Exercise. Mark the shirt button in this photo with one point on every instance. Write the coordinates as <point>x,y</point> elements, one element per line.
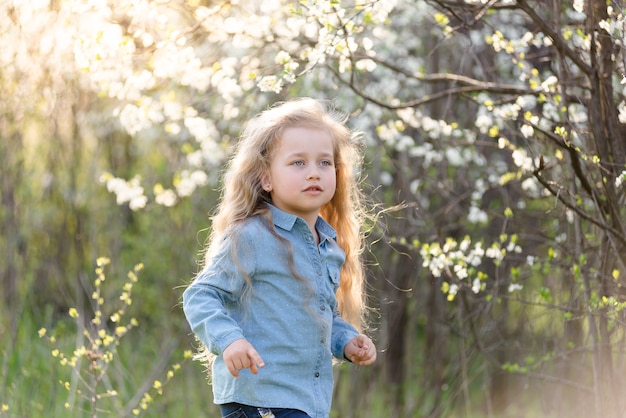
<point>317,374</point>
<point>319,272</point>
<point>323,307</point>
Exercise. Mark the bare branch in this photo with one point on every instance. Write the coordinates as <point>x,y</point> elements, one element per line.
<point>556,192</point>
<point>471,86</point>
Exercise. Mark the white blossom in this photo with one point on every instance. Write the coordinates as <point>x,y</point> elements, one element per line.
<point>166,198</point>
<point>531,185</point>
<point>454,157</point>
<point>477,215</point>
<point>474,258</point>
<point>464,245</point>
<point>495,253</point>
<point>622,110</point>
<point>579,6</point>
<point>270,83</point>
<point>522,160</point>
<point>385,178</point>
<point>130,192</point>
<point>483,123</point>
<point>454,289</point>
<point>619,180</point>
<point>527,131</point>
<point>367,65</point>
<point>202,129</point>
<point>190,181</point>
<point>461,271</point>
<point>476,285</point>
<point>550,84</point>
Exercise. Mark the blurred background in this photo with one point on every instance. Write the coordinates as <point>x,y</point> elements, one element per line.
<point>495,151</point>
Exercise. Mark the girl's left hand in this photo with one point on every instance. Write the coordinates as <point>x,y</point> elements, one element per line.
<point>360,350</point>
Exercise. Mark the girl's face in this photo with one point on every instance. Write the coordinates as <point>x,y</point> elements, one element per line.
<point>301,178</point>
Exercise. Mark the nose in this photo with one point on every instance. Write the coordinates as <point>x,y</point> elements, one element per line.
<point>313,174</point>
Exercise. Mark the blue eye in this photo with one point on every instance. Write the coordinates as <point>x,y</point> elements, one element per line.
<point>326,163</point>
<point>298,163</point>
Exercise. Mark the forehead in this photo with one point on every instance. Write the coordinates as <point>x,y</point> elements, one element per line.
<point>304,139</point>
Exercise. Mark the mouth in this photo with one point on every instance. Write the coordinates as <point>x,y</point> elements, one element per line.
<point>314,188</point>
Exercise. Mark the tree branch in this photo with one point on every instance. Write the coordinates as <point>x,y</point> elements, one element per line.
<point>439,77</point>
<point>471,86</point>
<point>556,193</point>
<point>557,39</point>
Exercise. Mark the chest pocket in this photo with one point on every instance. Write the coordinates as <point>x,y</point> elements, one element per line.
<point>331,285</point>
<point>333,275</point>
<point>333,258</point>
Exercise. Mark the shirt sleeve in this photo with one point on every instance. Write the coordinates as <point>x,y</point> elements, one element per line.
<point>341,335</point>
<point>211,301</point>
<point>342,331</point>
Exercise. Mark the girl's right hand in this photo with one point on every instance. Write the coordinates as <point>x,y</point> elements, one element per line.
<point>241,355</point>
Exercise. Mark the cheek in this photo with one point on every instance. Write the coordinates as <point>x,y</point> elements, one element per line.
<point>332,181</point>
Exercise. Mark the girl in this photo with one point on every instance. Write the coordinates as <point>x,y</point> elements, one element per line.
<point>282,263</point>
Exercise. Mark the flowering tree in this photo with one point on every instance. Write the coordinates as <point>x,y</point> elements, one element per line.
<point>497,124</point>
<point>521,196</point>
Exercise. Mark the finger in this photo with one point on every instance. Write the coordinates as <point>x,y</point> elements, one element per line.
<point>254,368</point>
<point>232,369</point>
<point>244,363</point>
<point>362,342</point>
<point>357,356</point>
<point>364,356</point>
<point>365,342</point>
<point>370,358</point>
<point>255,359</point>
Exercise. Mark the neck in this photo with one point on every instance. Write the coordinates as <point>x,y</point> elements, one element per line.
<point>311,224</point>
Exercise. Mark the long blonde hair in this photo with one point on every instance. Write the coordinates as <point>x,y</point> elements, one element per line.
<point>243,195</point>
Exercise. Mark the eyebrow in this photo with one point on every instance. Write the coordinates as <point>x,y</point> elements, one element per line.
<point>301,154</point>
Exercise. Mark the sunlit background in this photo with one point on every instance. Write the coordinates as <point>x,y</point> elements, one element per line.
<point>495,153</point>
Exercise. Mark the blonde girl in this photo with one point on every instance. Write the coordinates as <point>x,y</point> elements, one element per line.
<point>281,291</point>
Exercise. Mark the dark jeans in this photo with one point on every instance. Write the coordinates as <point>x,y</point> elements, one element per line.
<point>237,410</point>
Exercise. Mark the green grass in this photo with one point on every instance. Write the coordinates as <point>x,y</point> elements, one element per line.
<point>32,389</point>
<point>33,385</point>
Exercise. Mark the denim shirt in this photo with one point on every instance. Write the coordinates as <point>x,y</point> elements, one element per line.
<point>293,323</point>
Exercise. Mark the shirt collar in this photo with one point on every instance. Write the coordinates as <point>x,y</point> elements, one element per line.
<point>287,221</point>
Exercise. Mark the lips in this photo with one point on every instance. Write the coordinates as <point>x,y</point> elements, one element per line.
<point>314,189</point>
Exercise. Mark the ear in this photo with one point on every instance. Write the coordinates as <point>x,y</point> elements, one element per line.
<point>266,183</point>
